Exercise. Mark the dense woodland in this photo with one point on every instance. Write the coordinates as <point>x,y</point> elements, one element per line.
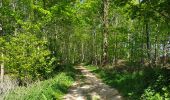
<point>39,38</point>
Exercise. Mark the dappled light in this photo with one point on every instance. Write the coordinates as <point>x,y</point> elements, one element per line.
<point>91,88</point>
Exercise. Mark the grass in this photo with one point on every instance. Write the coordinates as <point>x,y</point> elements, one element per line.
<point>134,85</point>
<point>51,89</point>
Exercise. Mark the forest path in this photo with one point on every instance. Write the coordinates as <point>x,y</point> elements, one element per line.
<point>91,88</point>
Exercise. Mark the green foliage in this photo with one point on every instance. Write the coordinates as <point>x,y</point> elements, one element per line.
<point>28,57</point>
<point>134,85</point>
<point>150,94</point>
<point>51,89</point>
<point>159,89</point>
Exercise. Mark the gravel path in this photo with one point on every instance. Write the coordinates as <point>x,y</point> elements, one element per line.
<point>91,88</point>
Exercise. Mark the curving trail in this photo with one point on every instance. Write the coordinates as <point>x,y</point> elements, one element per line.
<point>91,88</point>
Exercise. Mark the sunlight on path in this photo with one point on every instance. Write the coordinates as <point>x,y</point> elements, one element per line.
<point>91,88</point>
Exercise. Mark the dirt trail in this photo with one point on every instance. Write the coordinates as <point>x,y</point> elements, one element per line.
<point>91,88</point>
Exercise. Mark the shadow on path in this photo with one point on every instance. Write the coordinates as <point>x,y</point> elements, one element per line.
<point>91,88</point>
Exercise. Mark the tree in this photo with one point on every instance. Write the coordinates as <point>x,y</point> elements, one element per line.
<point>25,60</point>
<point>2,58</point>
<point>105,31</point>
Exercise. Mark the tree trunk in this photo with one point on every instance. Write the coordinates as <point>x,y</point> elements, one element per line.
<point>82,52</point>
<point>105,31</point>
<point>142,40</point>
<point>156,58</point>
<point>2,69</point>
<point>2,55</point>
<point>164,53</point>
<point>74,51</point>
<point>148,42</point>
<point>115,51</point>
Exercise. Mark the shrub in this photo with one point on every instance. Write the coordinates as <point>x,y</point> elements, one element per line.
<point>27,58</point>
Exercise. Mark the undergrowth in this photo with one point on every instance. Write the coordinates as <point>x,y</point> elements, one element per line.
<point>146,84</point>
<point>50,89</point>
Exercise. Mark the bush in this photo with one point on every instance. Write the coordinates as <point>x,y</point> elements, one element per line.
<point>159,89</point>
<point>28,58</point>
<point>151,94</point>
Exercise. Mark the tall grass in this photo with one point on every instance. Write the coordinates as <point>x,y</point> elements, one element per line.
<point>51,89</point>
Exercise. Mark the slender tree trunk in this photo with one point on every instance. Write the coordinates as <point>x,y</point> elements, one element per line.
<point>2,68</point>
<point>2,55</point>
<point>67,49</point>
<point>14,23</point>
<point>105,31</point>
<point>148,42</point>
<point>164,54</point>
<point>156,40</point>
<point>74,53</point>
<point>93,46</point>
<point>115,51</point>
<point>132,50</point>
<point>128,53</point>
<point>142,40</point>
<point>95,49</point>
<point>142,47</point>
<point>82,52</point>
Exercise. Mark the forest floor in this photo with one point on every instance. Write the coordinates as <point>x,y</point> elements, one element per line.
<point>91,88</point>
